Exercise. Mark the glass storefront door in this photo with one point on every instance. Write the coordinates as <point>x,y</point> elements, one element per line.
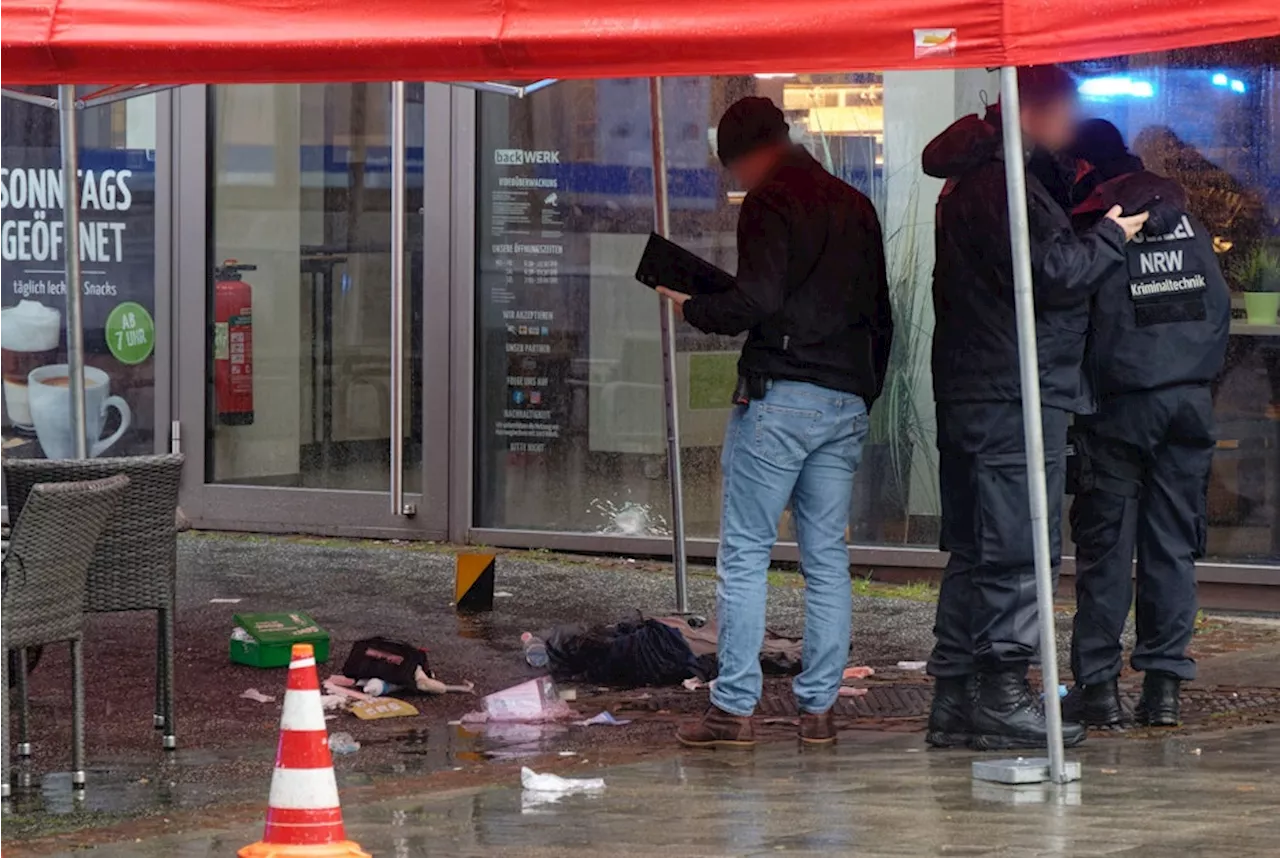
<point>297,344</point>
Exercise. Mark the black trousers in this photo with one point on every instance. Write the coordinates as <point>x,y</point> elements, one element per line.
<point>1144,477</point>
<point>987,614</point>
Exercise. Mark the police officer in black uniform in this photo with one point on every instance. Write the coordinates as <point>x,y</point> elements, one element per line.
<point>986,625</point>
<point>1141,466</point>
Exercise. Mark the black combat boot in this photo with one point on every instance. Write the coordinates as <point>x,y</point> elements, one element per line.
<point>950,722</point>
<point>1159,705</point>
<point>1006,715</point>
<point>1095,705</point>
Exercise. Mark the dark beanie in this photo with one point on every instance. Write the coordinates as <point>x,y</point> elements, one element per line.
<point>749,124</point>
<point>1041,85</point>
<point>1098,141</point>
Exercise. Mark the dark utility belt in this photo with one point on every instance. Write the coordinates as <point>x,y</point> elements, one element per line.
<point>750,387</point>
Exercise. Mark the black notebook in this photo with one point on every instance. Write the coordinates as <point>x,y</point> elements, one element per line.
<point>666,263</point>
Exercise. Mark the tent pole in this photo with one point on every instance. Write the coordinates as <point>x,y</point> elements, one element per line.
<point>71,249</point>
<point>1024,304</point>
<point>662,226</point>
<point>398,181</point>
<point>37,100</point>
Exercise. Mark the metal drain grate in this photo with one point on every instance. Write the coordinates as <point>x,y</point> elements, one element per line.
<point>911,700</point>
<point>880,701</point>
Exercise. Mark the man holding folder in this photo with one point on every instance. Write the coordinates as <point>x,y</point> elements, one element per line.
<point>812,295</point>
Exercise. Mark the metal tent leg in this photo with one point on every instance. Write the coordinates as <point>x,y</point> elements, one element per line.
<point>662,226</point>
<point>1024,303</point>
<point>71,247</point>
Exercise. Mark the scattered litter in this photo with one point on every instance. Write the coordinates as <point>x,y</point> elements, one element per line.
<point>850,691</point>
<point>568,695</point>
<point>338,689</point>
<point>534,782</point>
<point>267,640</point>
<point>1110,771</point>
<point>256,696</point>
<point>379,687</point>
<point>912,665</point>
<point>693,684</point>
<point>604,719</point>
<point>502,594</point>
<point>861,672</point>
<point>532,701</point>
<point>568,754</point>
<point>226,602</point>
<point>535,650</point>
<point>455,723</point>
<point>913,750</point>
<point>431,685</point>
<point>1197,752</point>
<point>392,661</point>
<point>386,707</point>
<point>343,743</point>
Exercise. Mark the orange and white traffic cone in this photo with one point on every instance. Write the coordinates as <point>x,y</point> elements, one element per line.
<point>303,816</point>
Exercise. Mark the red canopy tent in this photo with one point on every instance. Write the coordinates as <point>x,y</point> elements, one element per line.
<point>298,41</point>
<point>132,43</point>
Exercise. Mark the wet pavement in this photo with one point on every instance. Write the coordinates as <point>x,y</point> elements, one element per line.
<point>356,589</point>
<point>873,795</point>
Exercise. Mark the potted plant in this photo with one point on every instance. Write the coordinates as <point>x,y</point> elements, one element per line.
<point>1261,284</point>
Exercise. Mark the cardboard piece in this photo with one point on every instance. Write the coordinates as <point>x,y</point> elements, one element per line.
<point>382,707</point>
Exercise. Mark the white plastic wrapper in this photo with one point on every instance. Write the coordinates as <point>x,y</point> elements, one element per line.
<point>531,780</point>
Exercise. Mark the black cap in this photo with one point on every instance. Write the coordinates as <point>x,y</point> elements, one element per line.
<point>749,124</point>
<point>1042,85</point>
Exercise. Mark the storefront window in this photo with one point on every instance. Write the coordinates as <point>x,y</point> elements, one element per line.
<point>1209,119</point>
<point>570,432</point>
<point>117,255</point>
<point>569,419</point>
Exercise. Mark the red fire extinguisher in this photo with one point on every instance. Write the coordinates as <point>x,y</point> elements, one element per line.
<point>233,344</point>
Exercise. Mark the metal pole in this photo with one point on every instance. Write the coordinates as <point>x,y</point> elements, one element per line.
<point>37,100</point>
<point>71,249</point>
<point>398,177</point>
<point>662,226</point>
<point>1024,304</point>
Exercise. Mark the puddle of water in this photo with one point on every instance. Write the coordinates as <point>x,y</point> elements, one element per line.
<point>108,791</point>
<point>439,748</point>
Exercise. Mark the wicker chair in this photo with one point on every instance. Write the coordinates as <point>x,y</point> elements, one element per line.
<point>136,565</point>
<point>45,573</point>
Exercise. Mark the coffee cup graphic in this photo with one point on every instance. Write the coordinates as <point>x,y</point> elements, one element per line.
<point>29,335</point>
<point>49,396</point>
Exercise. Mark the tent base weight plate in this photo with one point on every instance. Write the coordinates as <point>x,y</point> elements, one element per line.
<point>1023,770</point>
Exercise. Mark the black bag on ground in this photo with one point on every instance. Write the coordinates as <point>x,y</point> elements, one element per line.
<point>389,660</point>
<point>630,654</point>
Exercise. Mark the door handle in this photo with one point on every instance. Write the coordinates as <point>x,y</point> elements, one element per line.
<point>398,179</point>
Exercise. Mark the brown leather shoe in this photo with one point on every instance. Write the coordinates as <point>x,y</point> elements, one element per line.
<point>817,729</point>
<point>717,729</point>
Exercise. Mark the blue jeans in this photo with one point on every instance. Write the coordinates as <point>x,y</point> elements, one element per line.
<point>800,444</point>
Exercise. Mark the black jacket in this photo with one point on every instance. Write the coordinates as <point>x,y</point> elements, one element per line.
<point>1163,319</point>
<point>812,288</point>
<point>975,341</point>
